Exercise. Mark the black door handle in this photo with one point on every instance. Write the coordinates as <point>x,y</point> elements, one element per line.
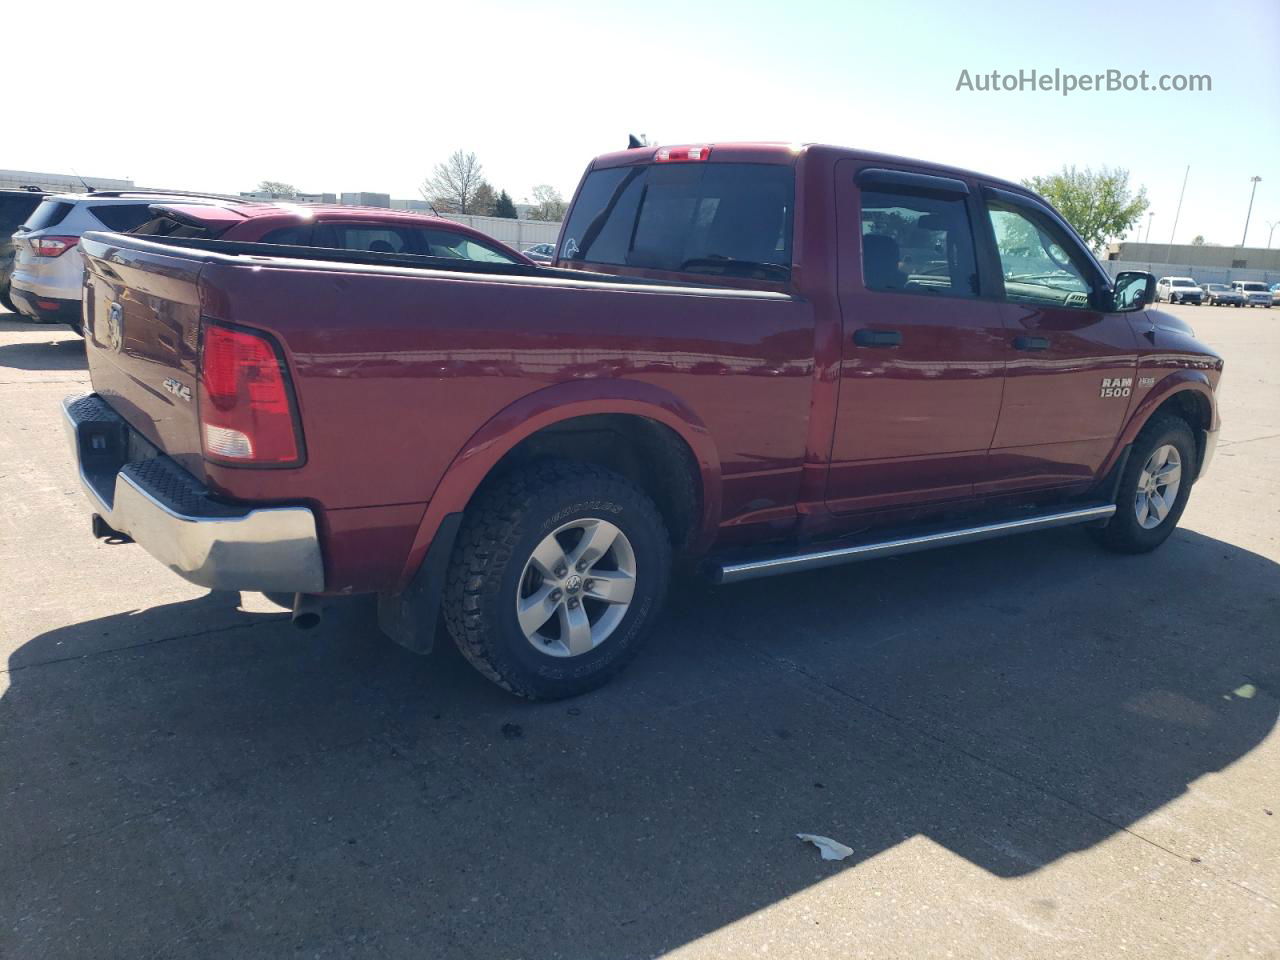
<point>877,338</point>
<point>1031,343</point>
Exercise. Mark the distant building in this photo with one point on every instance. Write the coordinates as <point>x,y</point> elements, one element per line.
<point>300,198</point>
<point>1201,262</point>
<point>367,199</point>
<point>58,182</point>
<point>1197,254</point>
<point>419,206</point>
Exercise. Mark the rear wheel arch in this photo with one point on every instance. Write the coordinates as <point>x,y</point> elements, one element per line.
<point>561,418</point>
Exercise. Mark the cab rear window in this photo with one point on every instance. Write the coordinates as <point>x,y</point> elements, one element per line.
<point>720,219</point>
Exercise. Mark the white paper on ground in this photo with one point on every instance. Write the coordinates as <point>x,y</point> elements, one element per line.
<point>831,849</point>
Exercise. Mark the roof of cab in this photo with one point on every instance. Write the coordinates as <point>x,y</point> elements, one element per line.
<point>784,153</point>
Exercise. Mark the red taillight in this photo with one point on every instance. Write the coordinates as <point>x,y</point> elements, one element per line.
<point>246,403</point>
<point>52,246</point>
<point>681,154</point>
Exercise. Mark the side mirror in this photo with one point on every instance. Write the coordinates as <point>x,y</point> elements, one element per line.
<point>1132,290</point>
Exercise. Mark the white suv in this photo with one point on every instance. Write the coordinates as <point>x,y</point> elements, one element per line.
<point>1179,289</point>
<point>48,269</point>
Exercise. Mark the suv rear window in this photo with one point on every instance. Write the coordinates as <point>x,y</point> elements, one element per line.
<point>50,213</point>
<point>122,217</point>
<point>722,219</point>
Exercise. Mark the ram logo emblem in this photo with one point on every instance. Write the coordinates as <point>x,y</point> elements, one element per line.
<point>115,327</point>
<point>1116,386</point>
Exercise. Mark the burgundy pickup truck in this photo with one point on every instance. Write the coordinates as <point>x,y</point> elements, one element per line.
<point>747,359</point>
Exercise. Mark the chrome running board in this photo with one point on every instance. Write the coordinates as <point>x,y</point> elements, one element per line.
<point>793,563</point>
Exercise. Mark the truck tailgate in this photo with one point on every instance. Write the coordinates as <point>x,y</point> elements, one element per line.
<point>142,329</point>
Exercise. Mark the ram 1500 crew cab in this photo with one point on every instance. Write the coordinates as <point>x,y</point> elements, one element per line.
<point>746,359</point>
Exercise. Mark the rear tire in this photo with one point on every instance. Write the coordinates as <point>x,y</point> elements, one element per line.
<point>6,300</point>
<point>523,552</point>
<point>1154,488</point>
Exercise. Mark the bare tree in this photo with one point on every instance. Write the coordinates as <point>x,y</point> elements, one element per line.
<point>453,185</point>
<point>278,189</point>
<point>547,203</point>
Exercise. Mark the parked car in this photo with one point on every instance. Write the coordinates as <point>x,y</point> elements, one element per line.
<point>536,451</point>
<point>15,207</point>
<point>541,252</point>
<point>1179,290</point>
<point>48,268</point>
<point>1219,294</point>
<point>1275,293</point>
<point>367,229</point>
<point>1254,292</point>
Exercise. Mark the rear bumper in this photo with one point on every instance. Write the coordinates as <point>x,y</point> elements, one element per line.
<point>45,309</point>
<point>140,492</point>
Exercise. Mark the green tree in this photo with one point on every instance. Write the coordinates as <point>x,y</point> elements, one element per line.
<point>504,207</point>
<point>547,203</point>
<point>278,189</point>
<point>1100,205</point>
<point>1198,240</point>
<point>483,202</point>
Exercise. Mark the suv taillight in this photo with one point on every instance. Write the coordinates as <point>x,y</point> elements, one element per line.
<point>52,246</point>
<point>247,413</point>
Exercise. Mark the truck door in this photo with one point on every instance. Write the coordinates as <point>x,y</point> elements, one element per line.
<point>923,348</point>
<point>1071,363</point>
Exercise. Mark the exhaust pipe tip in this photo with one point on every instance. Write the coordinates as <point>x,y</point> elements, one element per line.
<point>306,611</point>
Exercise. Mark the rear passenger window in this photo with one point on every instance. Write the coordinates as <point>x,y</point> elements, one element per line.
<point>167,226</point>
<point>122,217</point>
<point>292,236</point>
<point>917,243</point>
<point>364,237</point>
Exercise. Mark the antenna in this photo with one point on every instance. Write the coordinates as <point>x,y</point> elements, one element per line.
<point>83,183</point>
<point>633,141</point>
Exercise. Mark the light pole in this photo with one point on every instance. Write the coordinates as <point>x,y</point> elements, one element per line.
<point>1150,216</point>
<point>1271,229</point>
<point>1255,181</point>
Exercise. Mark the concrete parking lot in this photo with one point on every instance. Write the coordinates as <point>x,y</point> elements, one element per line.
<point>1034,748</point>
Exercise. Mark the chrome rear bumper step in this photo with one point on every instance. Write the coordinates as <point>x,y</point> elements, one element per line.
<point>794,563</point>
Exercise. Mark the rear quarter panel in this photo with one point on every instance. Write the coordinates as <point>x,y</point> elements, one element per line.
<point>396,373</point>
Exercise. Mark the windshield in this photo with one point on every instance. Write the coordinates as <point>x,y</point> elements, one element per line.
<point>1183,283</point>
<point>1254,287</point>
<point>724,219</point>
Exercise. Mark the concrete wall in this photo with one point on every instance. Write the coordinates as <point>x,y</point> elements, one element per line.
<point>1198,273</point>
<point>1254,258</point>
<point>58,182</point>
<point>514,233</point>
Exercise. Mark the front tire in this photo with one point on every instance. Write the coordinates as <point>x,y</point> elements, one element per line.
<point>1154,488</point>
<point>559,573</point>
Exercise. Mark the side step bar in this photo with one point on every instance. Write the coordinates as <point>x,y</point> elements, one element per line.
<point>793,563</point>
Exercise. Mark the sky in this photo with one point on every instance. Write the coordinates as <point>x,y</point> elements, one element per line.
<point>335,97</point>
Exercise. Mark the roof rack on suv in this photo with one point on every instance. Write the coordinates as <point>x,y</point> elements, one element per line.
<point>148,192</point>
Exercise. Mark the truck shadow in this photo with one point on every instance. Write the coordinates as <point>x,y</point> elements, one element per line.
<point>258,790</point>
<point>58,349</point>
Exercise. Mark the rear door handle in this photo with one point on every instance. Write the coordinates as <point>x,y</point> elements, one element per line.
<point>1031,343</point>
<point>877,338</point>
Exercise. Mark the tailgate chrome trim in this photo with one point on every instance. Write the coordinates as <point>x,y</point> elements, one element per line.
<point>171,515</point>
<point>793,563</point>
